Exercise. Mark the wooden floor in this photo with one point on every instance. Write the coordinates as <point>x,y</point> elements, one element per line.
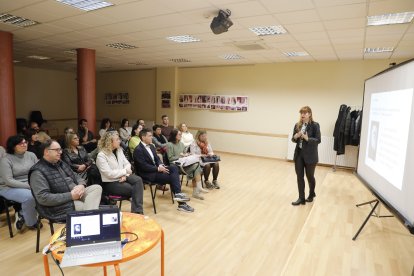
<point>249,227</point>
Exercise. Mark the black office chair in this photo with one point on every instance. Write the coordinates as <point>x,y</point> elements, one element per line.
<point>41,215</point>
<point>8,203</point>
<point>154,192</point>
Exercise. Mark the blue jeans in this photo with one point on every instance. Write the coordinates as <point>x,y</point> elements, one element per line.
<point>23,196</point>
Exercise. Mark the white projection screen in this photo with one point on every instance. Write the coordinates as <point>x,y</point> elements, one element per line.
<point>386,154</point>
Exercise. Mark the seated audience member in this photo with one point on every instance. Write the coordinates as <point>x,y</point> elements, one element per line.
<point>86,136</point>
<point>176,150</point>
<point>21,126</point>
<point>42,137</point>
<point>80,162</point>
<point>2,152</point>
<point>14,184</point>
<point>33,143</point>
<point>117,177</point>
<point>123,131</point>
<point>159,140</point>
<point>165,127</point>
<point>135,140</point>
<point>187,137</point>
<point>141,122</point>
<point>150,168</point>
<point>57,189</point>
<point>62,140</point>
<point>34,125</point>
<point>202,147</point>
<point>106,124</point>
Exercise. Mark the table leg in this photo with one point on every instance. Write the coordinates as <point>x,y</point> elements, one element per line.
<point>117,270</point>
<point>46,265</point>
<point>162,252</point>
<point>105,271</point>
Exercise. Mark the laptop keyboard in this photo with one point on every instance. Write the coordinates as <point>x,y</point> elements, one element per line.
<point>93,251</point>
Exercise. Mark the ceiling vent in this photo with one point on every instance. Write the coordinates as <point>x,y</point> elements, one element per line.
<point>250,46</point>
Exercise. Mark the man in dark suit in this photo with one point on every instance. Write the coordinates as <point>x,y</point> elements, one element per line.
<point>149,166</point>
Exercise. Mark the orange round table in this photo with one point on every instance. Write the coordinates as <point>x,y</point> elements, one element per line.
<point>149,234</point>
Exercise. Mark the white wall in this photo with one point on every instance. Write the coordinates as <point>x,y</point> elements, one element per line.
<point>276,92</point>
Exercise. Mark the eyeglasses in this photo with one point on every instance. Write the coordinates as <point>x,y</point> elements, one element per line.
<point>22,143</point>
<point>59,150</point>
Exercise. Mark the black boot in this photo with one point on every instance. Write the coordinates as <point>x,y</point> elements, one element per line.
<point>310,198</point>
<point>299,201</point>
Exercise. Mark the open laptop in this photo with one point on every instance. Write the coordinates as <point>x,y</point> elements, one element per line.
<point>92,236</point>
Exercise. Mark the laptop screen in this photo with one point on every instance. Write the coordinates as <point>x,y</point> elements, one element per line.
<point>93,226</point>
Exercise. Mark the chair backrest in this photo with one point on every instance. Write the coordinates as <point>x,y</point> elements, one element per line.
<point>39,208</point>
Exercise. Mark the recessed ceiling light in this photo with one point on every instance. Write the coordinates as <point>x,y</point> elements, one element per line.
<point>70,52</point>
<point>231,56</point>
<point>183,38</point>
<point>179,60</point>
<point>268,30</point>
<point>16,20</point>
<point>86,5</point>
<point>121,46</point>
<point>391,18</point>
<point>296,54</point>
<point>378,50</point>
<point>38,57</point>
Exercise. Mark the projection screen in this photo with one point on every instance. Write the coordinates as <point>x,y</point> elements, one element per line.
<point>386,154</point>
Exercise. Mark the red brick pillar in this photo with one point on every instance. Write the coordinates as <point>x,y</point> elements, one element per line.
<point>87,87</point>
<point>7,99</point>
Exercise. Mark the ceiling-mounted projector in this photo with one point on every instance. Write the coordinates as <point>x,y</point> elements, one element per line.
<point>221,23</point>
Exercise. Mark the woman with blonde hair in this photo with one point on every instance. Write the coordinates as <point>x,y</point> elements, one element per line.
<point>187,137</point>
<point>307,136</point>
<point>116,173</point>
<point>202,147</point>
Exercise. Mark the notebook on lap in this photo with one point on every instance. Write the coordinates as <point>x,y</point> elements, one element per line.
<point>92,236</point>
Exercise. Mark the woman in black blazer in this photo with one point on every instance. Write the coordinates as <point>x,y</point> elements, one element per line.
<point>307,136</point>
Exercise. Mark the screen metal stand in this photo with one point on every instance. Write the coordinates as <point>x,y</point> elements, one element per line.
<point>376,201</point>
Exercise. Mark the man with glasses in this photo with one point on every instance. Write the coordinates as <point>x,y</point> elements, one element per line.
<point>57,189</point>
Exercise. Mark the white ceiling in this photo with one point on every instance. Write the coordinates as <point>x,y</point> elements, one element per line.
<point>326,29</point>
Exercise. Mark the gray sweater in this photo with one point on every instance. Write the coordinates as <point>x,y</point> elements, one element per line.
<point>14,170</point>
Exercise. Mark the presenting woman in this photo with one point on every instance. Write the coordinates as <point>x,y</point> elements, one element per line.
<point>80,162</point>
<point>307,136</point>
<point>117,177</point>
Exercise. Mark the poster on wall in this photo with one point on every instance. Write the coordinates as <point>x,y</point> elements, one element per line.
<point>165,99</point>
<point>213,102</point>
<point>196,101</point>
<point>117,98</point>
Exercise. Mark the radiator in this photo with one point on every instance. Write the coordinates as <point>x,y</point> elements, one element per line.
<point>327,154</point>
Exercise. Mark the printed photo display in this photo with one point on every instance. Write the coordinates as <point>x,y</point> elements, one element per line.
<point>213,102</point>
<point>166,99</point>
<point>117,98</point>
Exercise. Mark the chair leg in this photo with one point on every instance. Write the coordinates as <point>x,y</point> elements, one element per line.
<point>52,230</point>
<point>8,219</point>
<point>172,196</point>
<point>120,204</point>
<point>38,234</point>
<point>153,198</point>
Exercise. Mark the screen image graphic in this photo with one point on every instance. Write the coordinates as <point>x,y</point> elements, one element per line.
<point>388,134</point>
<point>386,153</point>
